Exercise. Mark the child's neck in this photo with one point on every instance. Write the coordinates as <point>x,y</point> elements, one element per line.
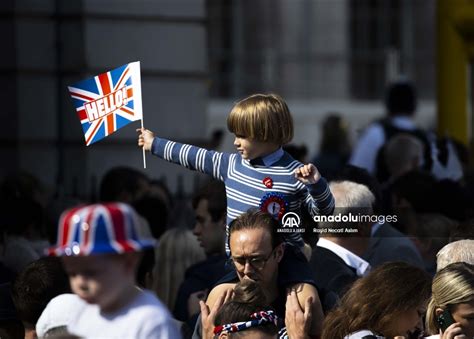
<point>125,297</point>
<point>272,148</point>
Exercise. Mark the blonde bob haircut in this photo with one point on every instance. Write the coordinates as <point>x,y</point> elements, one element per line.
<point>262,117</point>
<point>452,285</point>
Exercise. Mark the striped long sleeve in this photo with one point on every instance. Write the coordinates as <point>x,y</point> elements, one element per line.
<point>199,159</point>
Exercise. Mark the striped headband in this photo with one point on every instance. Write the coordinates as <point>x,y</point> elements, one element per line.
<point>256,319</point>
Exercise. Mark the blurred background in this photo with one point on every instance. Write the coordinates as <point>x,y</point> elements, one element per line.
<point>198,57</point>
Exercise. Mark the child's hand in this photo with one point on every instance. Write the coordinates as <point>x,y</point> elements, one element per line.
<point>307,174</point>
<point>145,138</point>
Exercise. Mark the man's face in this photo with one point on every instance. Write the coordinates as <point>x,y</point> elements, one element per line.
<point>255,246</point>
<point>209,233</point>
<point>97,279</point>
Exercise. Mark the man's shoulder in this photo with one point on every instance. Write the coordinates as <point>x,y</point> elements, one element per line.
<point>325,260</point>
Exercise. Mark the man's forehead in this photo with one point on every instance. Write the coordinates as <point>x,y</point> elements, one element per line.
<point>250,241</point>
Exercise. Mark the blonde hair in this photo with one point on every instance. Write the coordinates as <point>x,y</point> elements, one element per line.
<point>262,117</point>
<point>177,250</point>
<point>452,285</point>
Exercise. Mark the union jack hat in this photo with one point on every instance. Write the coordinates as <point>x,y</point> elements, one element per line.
<point>101,229</point>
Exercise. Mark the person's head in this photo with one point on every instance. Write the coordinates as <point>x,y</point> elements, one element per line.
<point>260,123</point>
<point>457,251</point>
<point>256,249</point>
<point>453,291</point>
<point>124,184</point>
<point>431,234</point>
<point>178,250</point>
<point>241,317</point>
<point>389,301</point>
<point>351,199</point>
<point>101,248</point>
<point>155,212</point>
<point>401,98</point>
<point>57,315</point>
<point>210,208</point>
<point>403,153</point>
<point>35,286</point>
<point>335,135</point>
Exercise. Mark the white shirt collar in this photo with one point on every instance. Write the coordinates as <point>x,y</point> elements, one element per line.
<point>361,266</point>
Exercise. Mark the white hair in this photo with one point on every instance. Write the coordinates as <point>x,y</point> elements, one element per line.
<point>350,195</point>
<point>458,251</point>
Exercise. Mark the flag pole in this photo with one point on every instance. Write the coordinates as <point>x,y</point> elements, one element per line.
<point>143,148</point>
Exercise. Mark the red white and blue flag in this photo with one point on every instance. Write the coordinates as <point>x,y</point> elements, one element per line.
<point>108,101</point>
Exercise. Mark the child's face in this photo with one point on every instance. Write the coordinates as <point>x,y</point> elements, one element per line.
<point>250,149</point>
<point>97,279</point>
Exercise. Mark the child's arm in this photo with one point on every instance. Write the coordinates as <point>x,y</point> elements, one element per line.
<point>320,199</point>
<point>192,157</point>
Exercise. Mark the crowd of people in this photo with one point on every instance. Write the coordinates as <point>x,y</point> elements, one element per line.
<point>397,262</point>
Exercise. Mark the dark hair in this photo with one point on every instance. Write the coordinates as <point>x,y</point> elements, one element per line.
<point>253,219</point>
<point>146,265</point>
<point>214,193</point>
<point>401,98</point>
<point>419,189</point>
<point>36,285</point>
<point>375,300</point>
<point>17,215</point>
<point>248,298</point>
<point>154,210</point>
<point>119,181</point>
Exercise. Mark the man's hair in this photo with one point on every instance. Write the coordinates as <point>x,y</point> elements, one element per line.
<point>350,198</point>
<point>36,285</point>
<point>214,193</point>
<point>375,300</point>
<point>262,117</point>
<point>401,98</point>
<point>458,251</point>
<point>248,298</point>
<point>255,219</point>
<point>119,181</point>
<point>452,285</point>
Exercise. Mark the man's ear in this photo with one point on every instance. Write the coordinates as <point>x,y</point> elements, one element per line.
<point>279,250</point>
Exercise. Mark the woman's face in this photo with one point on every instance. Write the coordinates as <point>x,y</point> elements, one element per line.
<point>407,323</point>
<point>464,315</point>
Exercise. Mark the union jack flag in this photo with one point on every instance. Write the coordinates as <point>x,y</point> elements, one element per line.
<point>108,101</point>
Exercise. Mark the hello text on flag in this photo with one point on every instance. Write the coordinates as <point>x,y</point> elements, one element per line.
<point>106,105</point>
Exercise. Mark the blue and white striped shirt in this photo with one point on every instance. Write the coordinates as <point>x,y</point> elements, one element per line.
<point>244,181</point>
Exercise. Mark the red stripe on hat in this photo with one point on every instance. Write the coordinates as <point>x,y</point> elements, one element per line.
<point>87,231</point>
<point>118,221</point>
<point>65,226</point>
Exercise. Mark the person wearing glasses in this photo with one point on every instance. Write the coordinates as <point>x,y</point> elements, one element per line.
<point>257,253</point>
